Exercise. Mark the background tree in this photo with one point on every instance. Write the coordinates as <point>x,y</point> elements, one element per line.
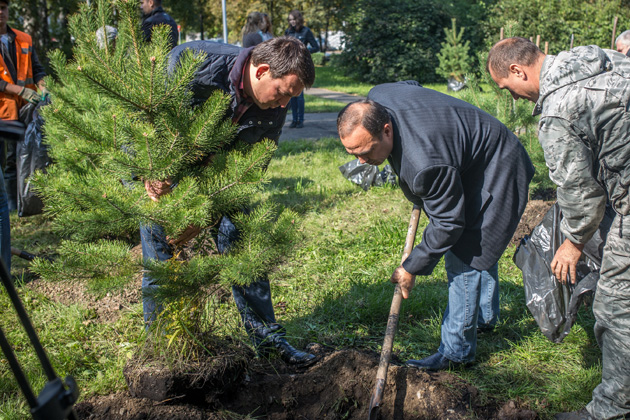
<point>119,118</point>
<point>454,56</point>
<point>196,16</point>
<point>590,22</point>
<point>394,40</point>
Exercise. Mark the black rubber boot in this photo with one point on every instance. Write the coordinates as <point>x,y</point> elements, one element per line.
<point>291,355</point>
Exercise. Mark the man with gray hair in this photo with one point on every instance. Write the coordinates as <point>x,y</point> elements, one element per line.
<point>623,42</point>
<point>582,97</point>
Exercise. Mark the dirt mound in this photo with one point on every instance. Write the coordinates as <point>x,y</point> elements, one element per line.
<point>338,386</point>
<point>532,216</point>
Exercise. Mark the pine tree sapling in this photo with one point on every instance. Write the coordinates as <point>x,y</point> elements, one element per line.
<point>454,56</point>
<point>119,118</point>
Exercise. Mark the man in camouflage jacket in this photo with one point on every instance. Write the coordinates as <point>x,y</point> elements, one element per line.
<point>583,98</point>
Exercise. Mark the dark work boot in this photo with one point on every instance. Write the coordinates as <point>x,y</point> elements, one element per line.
<point>291,355</point>
<point>433,362</point>
<point>574,415</point>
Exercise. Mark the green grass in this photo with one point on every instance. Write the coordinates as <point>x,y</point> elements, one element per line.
<point>333,289</point>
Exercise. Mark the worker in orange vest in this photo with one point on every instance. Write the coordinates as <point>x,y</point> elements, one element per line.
<point>21,74</point>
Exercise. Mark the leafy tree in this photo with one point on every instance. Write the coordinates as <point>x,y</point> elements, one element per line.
<point>555,21</point>
<point>119,118</point>
<point>46,21</point>
<point>454,56</point>
<point>198,16</point>
<point>393,40</point>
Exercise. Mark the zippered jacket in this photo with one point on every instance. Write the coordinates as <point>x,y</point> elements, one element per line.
<point>584,130</point>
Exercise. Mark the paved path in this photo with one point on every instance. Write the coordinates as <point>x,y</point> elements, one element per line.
<point>317,125</point>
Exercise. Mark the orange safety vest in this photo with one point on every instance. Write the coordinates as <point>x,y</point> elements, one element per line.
<point>9,103</point>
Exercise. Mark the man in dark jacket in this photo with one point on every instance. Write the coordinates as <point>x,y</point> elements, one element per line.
<point>470,174</point>
<point>261,81</point>
<point>154,15</point>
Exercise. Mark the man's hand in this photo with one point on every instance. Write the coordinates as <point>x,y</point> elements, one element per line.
<point>565,261</point>
<point>405,279</point>
<point>45,92</point>
<point>30,95</point>
<point>190,232</point>
<point>156,189</point>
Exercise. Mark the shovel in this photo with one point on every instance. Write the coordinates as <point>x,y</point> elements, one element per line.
<point>26,255</point>
<point>392,322</point>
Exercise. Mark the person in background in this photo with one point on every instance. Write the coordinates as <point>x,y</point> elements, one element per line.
<point>623,43</point>
<point>252,33</point>
<point>152,15</point>
<point>267,31</point>
<point>298,30</point>
<point>582,97</point>
<point>21,75</point>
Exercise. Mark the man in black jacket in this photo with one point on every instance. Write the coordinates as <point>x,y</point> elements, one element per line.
<point>261,81</point>
<point>470,174</point>
<point>154,15</point>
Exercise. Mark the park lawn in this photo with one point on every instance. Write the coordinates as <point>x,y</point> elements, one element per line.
<point>333,290</point>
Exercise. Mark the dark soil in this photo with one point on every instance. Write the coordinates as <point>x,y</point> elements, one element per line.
<point>532,216</point>
<point>338,386</point>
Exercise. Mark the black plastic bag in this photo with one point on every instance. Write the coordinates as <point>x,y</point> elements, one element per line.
<point>31,155</point>
<point>367,175</point>
<point>553,305</point>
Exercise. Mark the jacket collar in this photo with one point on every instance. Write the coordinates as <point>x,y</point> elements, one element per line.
<point>236,74</point>
<point>155,11</point>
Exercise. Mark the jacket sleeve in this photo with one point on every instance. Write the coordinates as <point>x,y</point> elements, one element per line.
<point>571,167</point>
<point>442,193</point>
<point>38,70</point>
<point>311,42</point>
<point>146,27</point>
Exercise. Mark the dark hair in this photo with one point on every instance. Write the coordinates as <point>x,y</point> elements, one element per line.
<point>266,23</point>
<point>252,24</point>
<point>5,1</point>
<point>285,55</point>
<point>369,114</point>
<point>299,19</point>
<point>510,51</point>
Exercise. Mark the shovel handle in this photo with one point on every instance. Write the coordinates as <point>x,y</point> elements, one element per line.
<point>392,320</point>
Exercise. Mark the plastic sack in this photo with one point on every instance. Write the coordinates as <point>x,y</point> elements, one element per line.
<point>31,155</point>
<point>553,305</point>
<point>367,175</point>
<point>454,85</point>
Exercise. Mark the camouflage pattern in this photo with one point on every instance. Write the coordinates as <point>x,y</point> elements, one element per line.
<point>584,130</point>
<point>611,398</point>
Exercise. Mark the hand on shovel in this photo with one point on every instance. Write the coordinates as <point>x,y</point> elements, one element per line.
<point>405,279</point>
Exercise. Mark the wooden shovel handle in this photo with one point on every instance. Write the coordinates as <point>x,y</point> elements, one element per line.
<point>392,320</point>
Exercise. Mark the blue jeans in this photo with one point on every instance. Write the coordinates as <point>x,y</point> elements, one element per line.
<point>297,108</point>
<point>5,227</point>
<point>473,301</point>
<point>253,301</point>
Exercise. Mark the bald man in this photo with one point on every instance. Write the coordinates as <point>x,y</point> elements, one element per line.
<point>470,174</point>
